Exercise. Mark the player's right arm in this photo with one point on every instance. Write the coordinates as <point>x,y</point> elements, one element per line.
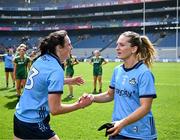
<point>104,97</point>
<point>15,69</point>
<point>56,107</point>
<point>91,61</point>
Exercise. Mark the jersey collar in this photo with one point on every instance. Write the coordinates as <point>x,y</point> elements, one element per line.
<point>55,57</point>
<point>134,67</point>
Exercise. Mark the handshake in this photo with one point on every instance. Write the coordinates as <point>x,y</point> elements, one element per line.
<point>85,100</point>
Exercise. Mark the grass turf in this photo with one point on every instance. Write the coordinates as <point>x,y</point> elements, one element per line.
<point>83,124</point>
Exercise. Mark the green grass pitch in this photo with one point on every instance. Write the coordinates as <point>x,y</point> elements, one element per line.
<point>83,124</point>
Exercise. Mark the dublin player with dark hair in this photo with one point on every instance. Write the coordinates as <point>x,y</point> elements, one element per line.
<point>43,90</point>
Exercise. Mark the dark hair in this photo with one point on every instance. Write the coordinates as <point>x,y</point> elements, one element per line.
<point>145,51</point>
<point>49,43</point>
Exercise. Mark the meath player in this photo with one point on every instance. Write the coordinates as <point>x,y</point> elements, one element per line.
<point>97,61</point>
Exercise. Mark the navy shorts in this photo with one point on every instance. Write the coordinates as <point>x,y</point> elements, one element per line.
<point>9,69</point>
<point>39,130</point>
<point>120,137</point>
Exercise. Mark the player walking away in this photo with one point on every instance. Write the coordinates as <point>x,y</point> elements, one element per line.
<point>43,90</point>
<point>97,61</point>
<point>132,89</point>
<point>21,64</point>
<point>69,64</point>
<point>9,67</point>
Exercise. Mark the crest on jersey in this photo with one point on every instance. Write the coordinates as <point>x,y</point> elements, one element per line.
<point>132,81</point>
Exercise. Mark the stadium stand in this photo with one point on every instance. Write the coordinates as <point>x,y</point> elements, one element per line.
<point>92,24</point>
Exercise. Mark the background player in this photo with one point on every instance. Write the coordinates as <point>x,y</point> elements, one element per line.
<point>69,64</point>
<point>97,61</point>
<point>21,65</point>
<point>9,66</point>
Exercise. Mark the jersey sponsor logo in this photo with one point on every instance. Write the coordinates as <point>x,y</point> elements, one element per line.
<point>124,92</point>
<point>20,62</point>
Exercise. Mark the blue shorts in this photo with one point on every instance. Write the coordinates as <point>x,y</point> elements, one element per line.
<point>39,130</point>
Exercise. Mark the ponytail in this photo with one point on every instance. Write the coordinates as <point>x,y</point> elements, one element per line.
<point>145,51</point>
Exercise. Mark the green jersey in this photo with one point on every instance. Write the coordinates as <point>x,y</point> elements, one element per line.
<point>97,65</point>
<point>21,67</point>
<point>69,66</point>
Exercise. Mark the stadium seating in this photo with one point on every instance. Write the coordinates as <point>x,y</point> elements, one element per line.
<point>89,28</point>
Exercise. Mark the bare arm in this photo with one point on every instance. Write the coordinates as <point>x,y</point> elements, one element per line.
<point>29,65</point>
<point>75,62</point>
<point>90,62</point>
<point>104,97</point>
<point>105,62</point>
<point>14,73</point>
<point>56,107</point>
<point>74,81</point>
<point>139,113</point>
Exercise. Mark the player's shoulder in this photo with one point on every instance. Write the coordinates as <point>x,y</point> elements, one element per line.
<point>118,67</point>
<point>17,57</point>
<point>143,68</point>
<point>26,56</point>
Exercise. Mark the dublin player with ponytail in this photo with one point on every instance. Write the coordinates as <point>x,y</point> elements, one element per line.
<point>132,88</point>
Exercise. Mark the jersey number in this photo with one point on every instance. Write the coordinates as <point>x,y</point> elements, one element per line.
<point>34,72</point>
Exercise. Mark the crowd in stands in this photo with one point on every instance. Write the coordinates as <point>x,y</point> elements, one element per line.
<point>35,3</point>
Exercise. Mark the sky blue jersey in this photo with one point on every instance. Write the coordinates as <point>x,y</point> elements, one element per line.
<point>129,86</point>
<point>8,61</point>
<point>46,76</point>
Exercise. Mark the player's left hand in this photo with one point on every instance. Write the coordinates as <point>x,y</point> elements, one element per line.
<point>77,80</point>
<point>118,125</point>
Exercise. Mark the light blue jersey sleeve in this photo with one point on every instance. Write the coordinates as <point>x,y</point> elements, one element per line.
<point>146,86</point>
<point>113,80</point>
<point>56,82</point>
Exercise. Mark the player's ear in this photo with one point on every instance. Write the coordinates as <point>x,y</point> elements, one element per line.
<point>134,49</point>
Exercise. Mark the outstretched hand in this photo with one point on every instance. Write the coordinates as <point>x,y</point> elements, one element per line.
<point>85,100</point>
<point>74,81</point>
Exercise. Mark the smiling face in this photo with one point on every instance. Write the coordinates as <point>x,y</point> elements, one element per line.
<point>124,48</point>
<point>64,52</point>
